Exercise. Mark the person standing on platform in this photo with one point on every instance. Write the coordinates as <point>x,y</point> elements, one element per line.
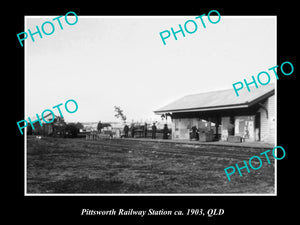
<point>165,132</point>
<point>126,129</point>
<point>132,129</point>
<point>145,130</point>
<point>153,131</point>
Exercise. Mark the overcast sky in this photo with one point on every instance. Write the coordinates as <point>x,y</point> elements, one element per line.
<point>105,61</point>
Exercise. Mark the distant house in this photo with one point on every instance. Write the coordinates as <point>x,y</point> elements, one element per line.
<point>250,116</point>
<point>56,128</point>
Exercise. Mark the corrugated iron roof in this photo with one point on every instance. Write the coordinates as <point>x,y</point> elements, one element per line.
<point>216,100</point>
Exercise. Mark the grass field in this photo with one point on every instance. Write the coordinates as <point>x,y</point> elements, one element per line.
<point>57,165</point>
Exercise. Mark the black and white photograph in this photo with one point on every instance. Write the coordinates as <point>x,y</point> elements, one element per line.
<point>137,116</point>
<point>150,114</point>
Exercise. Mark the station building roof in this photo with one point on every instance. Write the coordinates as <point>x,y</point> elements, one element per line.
<point>219,100</point>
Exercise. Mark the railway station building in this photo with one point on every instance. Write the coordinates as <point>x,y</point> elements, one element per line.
<point>223,116</point>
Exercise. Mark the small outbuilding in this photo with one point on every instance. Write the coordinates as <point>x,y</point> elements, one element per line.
<point>221,115</point>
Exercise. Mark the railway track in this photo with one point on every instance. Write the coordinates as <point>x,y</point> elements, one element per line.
<point>177,149</point>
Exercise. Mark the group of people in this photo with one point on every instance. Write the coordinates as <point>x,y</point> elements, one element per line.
<point>135,129</point>
<point>194,133</point>
<point>132,130</point>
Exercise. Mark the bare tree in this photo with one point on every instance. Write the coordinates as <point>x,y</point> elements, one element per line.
<point>120,114</point>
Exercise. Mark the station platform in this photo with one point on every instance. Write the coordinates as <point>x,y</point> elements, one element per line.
<point>256,144</point>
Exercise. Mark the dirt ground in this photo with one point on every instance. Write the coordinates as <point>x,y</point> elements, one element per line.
<point>60,165</point>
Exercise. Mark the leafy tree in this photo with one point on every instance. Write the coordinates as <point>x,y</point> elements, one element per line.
<point>71,129</point>
<point>79,125</point>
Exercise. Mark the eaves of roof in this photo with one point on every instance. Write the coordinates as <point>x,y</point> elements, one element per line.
<point>244,104</point>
